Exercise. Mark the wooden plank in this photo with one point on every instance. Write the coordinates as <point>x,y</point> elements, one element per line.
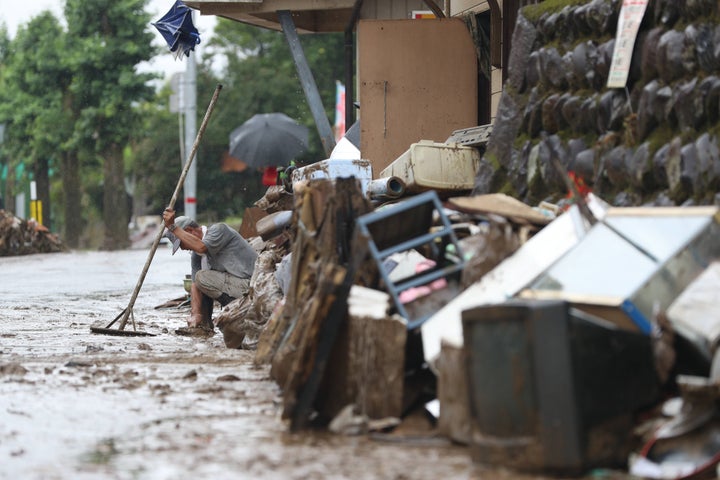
<point>377,361</point>
<point>335,242</point>
<point>455,419</point>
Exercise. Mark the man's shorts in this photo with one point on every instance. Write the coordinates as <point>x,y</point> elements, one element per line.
<point>213,284</point>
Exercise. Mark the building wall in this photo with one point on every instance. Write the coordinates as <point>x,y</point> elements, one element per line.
<point>459,8</point>
<point>402,9</point>
<point>390,10</point>
<point>413,87</point>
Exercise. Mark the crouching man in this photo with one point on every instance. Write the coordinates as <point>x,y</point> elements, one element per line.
<point>221,261</point>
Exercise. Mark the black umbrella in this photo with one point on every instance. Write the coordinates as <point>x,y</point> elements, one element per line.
<point>177,28</point>
<point>268,140</point>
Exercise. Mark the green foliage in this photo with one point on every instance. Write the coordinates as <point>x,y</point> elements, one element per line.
<point>33,80</point>
<point>260,77</point>
<point>71,99</point>
<point>109,39</point>
<point>534,12</point>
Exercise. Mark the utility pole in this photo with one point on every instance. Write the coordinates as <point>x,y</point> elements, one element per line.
<point>190,94</point>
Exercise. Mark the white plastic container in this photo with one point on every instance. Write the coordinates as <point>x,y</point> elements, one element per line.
<point>428,165</point>
<point>336,168</point>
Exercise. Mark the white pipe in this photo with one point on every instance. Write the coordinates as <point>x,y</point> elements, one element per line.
<point>388,187</point>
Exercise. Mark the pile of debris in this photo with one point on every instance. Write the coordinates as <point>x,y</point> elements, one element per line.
<point>554,339</point>
<point>23,237</point>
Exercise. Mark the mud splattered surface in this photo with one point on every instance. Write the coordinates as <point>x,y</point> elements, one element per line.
<point>80,405</point>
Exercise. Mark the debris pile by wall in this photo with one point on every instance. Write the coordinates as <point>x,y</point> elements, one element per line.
<point>23,237</point>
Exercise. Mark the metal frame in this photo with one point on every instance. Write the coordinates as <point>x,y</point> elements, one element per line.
<point>403,243</point>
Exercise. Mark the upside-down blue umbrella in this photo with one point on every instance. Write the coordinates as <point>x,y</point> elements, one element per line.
<point>177,28</point>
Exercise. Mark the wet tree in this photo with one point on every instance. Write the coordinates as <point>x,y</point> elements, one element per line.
<point>258,76</point>
<point>35,81</point>
<point>156,160</point>
<point>107,40</point>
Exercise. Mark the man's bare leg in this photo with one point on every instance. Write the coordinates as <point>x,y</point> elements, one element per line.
<point>196,306</point>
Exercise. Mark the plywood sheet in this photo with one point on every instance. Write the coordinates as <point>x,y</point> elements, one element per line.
<point>417,81</point>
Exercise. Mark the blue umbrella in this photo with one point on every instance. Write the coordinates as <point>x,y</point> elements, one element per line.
<point>176,26</point>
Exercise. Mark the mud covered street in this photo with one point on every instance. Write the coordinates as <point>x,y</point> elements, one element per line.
<point>75,405</point>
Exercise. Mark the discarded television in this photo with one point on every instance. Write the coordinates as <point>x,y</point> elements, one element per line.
<point>552,388</point>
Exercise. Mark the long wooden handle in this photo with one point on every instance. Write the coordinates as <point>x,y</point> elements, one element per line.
<point>128,311</point>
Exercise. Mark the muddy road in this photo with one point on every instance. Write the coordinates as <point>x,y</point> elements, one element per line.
<point>77,405</point>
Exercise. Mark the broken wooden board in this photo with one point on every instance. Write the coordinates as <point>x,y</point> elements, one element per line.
<point>455,420</point>
<point>368,369</point>
<point>499,204</point>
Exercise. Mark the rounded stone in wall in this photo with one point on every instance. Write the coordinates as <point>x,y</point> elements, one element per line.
<point>615,166</point>
<point>517,172</point>
<point>532,72</point>
<point>667,12</point>
<point>673,164</point>
<point>584,57</point>
<point>570,110</point>
<point>579,21</point>
<point>602,66</point>
<point>601,16</point>
<point>603,111</point>
<point>709,160</point>
<point>716,43</point>
<point>671,56</point>
<point>662,199</point>
<point>588,114</point>
<point>647,106</point>
<point>583,164</point>
<point>626,199</point>
<point>574,147</point>
<point>648,46</point>
<point>701,38</point>
<point>552,68</point>
<point>709,93</point>
<point>532,115</point>
<point>620,110</point>
<point>659,161</point>
<point>664,98</point>
<point>690,178</point>
<point>552,147</point>
<point>557,111</point>
<point>563,31</point>
<point>688,112</point>
<point>547,26</point>
<point>639,165</point>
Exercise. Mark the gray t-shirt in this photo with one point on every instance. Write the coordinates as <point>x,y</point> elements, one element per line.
<point>227,251</point>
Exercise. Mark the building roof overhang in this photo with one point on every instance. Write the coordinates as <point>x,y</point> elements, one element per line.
<point>309,16</point>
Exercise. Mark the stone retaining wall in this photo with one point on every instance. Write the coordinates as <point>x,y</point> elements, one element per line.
<point>655,142</point>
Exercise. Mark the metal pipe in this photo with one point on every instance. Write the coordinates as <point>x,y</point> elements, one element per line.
<point>387,187</point>
<point>308,81</point>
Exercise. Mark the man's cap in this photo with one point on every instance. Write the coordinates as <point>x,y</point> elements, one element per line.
<point>180,222</point>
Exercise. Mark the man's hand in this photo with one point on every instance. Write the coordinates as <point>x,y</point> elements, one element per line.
<point>168,217</point>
